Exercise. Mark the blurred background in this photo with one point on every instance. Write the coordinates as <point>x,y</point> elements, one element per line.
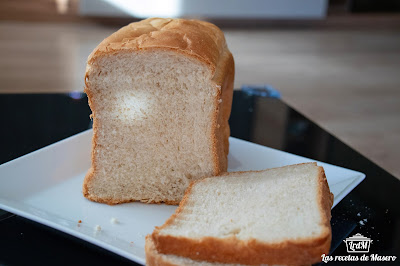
<point>337,62</point>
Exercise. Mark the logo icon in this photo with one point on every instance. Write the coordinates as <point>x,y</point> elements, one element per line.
<point>358,244</point>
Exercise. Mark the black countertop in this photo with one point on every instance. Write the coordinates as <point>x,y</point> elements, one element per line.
<point>32,121</point>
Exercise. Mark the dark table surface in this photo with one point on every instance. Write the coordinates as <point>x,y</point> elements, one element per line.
<point>32,121</point>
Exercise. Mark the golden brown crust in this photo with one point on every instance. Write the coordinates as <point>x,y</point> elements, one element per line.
<point>152,256</point>
<point>252,252</point>
<point>224,79</point>
<point>193,38</point>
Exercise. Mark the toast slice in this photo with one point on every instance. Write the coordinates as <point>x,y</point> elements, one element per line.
<point>275,216</point>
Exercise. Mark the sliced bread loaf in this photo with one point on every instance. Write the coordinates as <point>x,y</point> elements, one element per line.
<point>160,91</point>
<point>276,216</point>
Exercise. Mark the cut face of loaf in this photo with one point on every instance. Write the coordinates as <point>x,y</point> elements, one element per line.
<point>160,116</point>
<point>276,216</point>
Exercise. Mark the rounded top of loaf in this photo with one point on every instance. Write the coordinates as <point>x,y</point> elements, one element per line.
<point>195,38</point>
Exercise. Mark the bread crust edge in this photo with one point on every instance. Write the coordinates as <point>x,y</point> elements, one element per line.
<point>153,258</point>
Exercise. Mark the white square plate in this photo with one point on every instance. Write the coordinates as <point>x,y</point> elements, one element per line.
<point>46,186</point>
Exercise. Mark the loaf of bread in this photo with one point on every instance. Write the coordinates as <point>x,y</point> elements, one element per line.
<point>276,216</point>
<point>160,91</point>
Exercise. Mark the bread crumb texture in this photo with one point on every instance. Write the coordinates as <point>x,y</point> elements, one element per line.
<point>271,205</point>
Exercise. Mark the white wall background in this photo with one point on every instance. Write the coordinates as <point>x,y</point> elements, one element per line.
<point>249,9</point>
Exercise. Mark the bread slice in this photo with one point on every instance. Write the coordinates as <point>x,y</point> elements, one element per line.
<point>160,91</point>
<point>276,216</point>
